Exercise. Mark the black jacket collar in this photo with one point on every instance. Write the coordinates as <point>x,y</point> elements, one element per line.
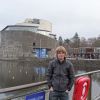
<point>60,61</point>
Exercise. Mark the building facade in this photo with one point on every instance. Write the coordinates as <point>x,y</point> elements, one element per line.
<point>25,40</point>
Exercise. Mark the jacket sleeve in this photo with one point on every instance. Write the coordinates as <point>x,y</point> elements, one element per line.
<point>49,74</point>
<point>71,75</point>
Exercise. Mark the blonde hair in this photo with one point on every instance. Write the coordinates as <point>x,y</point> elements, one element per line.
<point>61,49</point>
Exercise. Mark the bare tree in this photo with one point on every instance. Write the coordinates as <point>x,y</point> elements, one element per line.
<point>75,41</point>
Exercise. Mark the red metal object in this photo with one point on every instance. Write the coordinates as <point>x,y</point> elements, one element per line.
<point>81,88</point>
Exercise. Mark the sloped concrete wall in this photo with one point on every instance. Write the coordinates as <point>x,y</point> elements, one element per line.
<point>15,44</point>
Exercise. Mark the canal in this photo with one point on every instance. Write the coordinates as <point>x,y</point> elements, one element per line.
<point>19,72</point>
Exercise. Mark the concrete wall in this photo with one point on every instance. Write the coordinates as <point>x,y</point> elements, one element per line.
<point>16,44</point>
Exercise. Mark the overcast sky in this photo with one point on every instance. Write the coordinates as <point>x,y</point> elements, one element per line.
<point>66,16</point>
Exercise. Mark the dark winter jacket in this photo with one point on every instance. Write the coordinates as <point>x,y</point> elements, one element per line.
<point>60,75</point>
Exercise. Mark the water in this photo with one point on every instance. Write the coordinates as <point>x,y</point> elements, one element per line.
<point>14,73</point>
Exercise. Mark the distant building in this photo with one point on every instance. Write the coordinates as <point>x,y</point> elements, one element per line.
<point>84,52</point>
<point>32,38</point>
<point>41,26</point>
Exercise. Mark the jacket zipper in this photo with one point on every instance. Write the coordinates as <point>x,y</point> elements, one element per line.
<point>59,77</point>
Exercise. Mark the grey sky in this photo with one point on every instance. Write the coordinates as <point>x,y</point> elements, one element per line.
<point>67,16</point>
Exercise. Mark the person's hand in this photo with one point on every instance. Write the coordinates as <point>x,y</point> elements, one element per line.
<point>67,91</point>
<point>51,89</point>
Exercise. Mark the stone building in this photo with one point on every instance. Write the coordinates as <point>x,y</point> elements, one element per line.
<point>27,40</point>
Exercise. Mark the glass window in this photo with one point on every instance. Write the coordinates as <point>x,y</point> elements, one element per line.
<point>22,28</point>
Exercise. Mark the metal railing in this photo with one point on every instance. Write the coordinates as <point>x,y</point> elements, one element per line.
<point>33,87</point>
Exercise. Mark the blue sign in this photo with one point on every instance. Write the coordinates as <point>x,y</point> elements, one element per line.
<point>36,96</point>
<point>41,53</point>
